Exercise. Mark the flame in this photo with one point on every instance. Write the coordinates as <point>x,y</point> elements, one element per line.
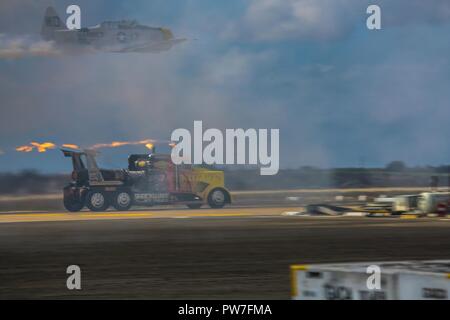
<point>40,147</point>
<point>70,146</point>
<point>24,149</point>
<point>148,143</point>
<point>43,147</point>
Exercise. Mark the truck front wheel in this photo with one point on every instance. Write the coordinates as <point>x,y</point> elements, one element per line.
<point>97,201</point>
<point>217,198</point>
<point>73,204</point>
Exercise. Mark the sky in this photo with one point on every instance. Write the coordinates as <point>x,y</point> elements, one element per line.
<point>340,94</point>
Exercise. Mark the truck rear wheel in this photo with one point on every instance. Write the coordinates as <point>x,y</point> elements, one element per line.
<point>97,201</point>
<point>122,201</point>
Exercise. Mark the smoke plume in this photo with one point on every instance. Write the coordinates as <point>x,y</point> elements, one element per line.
<point>24,46</point>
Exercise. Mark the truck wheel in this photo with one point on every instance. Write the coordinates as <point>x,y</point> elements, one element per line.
<point>97,201</point>
<point>217,198</point>
<point>194,206</point>
<point>73,205</point>
<point>122,201</point>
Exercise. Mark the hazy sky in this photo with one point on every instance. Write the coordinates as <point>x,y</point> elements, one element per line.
<point>339,93</point>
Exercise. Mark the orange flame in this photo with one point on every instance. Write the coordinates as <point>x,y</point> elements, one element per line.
<point>24,149</point>
<point>70,146</point>
<point>40,147</point>
<point>149,146</point>
<point>43,147</point>
<point>148,143</point>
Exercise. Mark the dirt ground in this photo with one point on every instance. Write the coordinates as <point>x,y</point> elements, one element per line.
<point>203,257</point>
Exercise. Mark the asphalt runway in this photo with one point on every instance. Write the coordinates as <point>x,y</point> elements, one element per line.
<point>232,253</point>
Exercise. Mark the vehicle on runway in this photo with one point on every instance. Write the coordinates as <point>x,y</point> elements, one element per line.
<point>434,202</point>
<point>110,36</point>
<point>151,179</point>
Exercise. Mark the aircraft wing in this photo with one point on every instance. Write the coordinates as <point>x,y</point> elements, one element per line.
<point>157,46</point>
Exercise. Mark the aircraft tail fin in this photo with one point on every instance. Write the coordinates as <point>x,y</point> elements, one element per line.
<point>52,22</point>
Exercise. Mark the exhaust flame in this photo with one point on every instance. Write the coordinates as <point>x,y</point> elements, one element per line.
<point>148,143</point>
<point>24,149</point>
<point>40,147</point>
<point>70,146</point>
<point>43,147</point>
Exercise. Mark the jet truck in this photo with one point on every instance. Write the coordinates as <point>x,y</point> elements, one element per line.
<point>150,179</point>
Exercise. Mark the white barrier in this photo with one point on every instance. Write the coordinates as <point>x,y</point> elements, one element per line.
<point>405,280</point>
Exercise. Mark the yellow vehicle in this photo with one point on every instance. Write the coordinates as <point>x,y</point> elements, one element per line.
<point>151,179</point>
<point>208,184</point>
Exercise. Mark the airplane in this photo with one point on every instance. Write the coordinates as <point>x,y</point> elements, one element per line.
<point>111,36</point>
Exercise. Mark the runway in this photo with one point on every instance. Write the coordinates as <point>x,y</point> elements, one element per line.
<point>177,213</point>
<point>232,253</point>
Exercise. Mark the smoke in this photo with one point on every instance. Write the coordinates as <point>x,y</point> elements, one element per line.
<point>269,20</point>
<point>380,95</point>
<point>24,46</point>
<point>273,20</point>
